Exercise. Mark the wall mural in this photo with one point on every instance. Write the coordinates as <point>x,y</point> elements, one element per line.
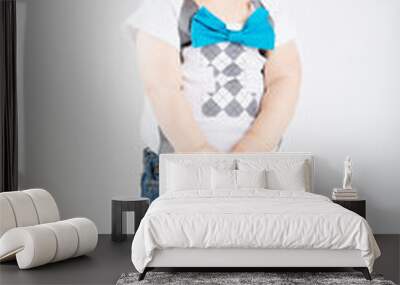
<point>219,77</point>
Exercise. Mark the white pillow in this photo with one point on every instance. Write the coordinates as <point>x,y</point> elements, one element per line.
<point>282,174</point>
<point>188,177</point>
<point>223,179</point>
<point>187,174</point>
<point>292,179</point>
<point>251,179</point>
<point>226,179</point>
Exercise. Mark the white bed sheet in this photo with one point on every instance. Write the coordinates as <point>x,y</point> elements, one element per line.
<point>251,218</point>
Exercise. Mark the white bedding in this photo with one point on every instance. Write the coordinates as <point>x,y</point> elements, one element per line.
<point>251,218</point>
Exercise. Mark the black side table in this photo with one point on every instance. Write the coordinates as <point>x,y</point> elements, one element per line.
<point>120,205</point>
<point>356,206</point>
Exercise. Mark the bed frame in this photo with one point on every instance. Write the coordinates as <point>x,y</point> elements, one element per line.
<point>250,259</point>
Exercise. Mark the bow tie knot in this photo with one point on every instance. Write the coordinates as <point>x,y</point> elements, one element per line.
<point>257,32</point>
<point>235,37</point>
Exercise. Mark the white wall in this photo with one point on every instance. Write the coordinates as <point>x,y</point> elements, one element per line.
<point>350,98</point>
<point>82,102</point>
<point>82,106</point>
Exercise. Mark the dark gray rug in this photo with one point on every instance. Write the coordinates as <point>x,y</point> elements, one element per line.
<point>229,278</point>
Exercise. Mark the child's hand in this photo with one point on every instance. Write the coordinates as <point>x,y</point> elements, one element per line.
<point>249,143</point>
<point>205,148</point>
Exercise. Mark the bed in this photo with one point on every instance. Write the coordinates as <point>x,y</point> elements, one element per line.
<point>248,211</point>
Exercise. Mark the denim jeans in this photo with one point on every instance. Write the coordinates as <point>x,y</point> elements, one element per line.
<point>150,177</point>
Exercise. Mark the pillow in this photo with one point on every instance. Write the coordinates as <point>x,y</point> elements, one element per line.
<point>223,179</point>
<point>226,179</point>
<point>282,174</point>
<point>186,174</point>
<point>251,179</point>
<point>292,179</point>
<point>187,177</point>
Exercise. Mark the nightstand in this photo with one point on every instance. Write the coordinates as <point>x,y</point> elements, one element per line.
<point>119,206</point>
<point>356,206</point>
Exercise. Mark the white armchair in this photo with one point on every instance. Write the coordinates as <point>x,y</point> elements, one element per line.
<point>31,230</point>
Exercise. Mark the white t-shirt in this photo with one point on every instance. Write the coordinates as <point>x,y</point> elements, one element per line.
<point>224,83</point>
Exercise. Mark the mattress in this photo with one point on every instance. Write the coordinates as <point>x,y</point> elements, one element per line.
<point>250,219</point>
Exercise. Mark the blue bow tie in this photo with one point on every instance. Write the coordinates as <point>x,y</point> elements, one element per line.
<point>257,32</point>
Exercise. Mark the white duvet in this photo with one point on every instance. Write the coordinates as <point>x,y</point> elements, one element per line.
<point>250,219</point>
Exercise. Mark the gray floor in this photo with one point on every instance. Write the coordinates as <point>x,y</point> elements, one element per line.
<point>106,264</point>
<point>103,266</point>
